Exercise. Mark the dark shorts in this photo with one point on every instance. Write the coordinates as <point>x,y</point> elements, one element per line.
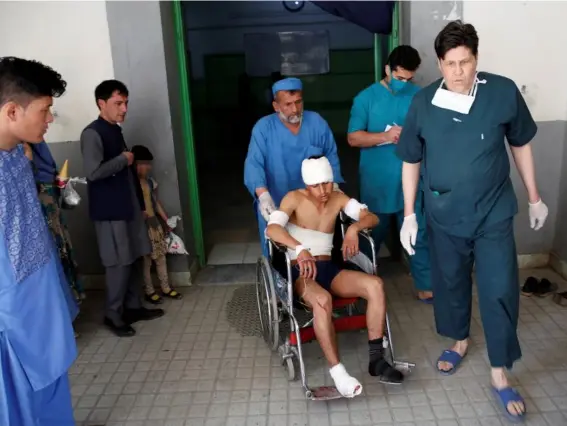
<point>327,270</point>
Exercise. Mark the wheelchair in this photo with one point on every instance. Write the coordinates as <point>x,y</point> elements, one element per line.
<point>276,302</point>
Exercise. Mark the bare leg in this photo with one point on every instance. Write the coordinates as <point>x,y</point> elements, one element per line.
<point>370,288</point>
<point>321,303</point>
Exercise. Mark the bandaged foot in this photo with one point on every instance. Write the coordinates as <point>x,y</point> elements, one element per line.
<point>347,385</point>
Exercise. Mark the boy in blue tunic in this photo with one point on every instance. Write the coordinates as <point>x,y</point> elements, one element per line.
<point>37,345</point>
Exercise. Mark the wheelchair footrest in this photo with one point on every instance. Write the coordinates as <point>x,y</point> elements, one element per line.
<point>323,393</point>
<point>404,366</point>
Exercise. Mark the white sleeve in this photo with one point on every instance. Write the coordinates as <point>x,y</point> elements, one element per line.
<point>353,208</point>
<point>278,218</point>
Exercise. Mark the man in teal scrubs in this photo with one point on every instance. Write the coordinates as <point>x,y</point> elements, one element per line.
<point>376,120</point>
<point>457,127</point>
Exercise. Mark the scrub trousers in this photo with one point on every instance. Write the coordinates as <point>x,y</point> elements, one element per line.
<point>21,406</point>
<point>493,252</point>
<point>419,263</point>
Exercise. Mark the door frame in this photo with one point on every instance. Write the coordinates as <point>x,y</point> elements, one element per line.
<point>393,42</point>
<point>187,133</point>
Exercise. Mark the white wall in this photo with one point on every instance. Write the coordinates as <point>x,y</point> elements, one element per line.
<point>525,41</point>
<point>219,27</point>
<point>73,39</point>
<point>421,22</point>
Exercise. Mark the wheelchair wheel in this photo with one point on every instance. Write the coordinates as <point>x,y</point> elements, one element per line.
<point>291,367</point>
<point>267,304</point>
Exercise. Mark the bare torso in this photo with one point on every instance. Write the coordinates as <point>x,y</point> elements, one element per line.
<point>310,214</point>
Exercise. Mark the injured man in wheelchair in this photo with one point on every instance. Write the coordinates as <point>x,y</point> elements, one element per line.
<point>305,224</point>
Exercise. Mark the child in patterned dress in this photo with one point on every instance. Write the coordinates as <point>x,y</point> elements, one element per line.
<point>143,159</point>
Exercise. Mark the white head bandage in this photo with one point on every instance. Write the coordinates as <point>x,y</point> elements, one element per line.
<point>317,170</point>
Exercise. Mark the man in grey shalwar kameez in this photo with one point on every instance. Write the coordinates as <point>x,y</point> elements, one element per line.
<point>116,207</point>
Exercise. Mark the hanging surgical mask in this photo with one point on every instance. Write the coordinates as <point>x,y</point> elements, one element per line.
<point>397,85</point>
<point>454,101</point>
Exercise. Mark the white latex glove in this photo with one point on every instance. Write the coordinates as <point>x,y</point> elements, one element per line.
<point>266,206</point>
<point>538,214</point>
<point>408,233</point>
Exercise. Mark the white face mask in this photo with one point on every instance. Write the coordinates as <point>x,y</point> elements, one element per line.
<point>456,101</point>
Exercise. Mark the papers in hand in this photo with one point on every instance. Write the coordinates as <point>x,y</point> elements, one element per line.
<point>388,127</point>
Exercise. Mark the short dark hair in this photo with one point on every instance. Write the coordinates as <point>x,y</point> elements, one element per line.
<point>456,34</point>
<point>106,89</point>
<point>405,57</point>
<point>141,153</point>
<point>315,157</point>
<point>22,81</point>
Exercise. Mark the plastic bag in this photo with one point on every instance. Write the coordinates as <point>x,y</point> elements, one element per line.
<point>172,222</point>
<point>71,197</point>
<point>175,244</point>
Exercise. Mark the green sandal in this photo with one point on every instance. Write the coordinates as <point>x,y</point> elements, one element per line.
<point>173,294</point>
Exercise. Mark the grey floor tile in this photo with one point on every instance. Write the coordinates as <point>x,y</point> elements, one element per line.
<point>196,366</point>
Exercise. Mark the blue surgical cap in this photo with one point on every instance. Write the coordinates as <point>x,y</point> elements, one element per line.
<point>287,84</point>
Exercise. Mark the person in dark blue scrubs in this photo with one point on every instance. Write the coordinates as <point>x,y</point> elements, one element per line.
<point>376,119</point>
<point>457,127</point>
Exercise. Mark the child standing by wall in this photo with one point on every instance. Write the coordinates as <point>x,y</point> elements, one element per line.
<point>143,159</point>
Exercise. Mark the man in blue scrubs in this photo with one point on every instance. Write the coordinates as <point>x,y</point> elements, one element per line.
<point>279,143</point>
<point>457,127</point>
<point>376,119</point>
<point>37,344</point>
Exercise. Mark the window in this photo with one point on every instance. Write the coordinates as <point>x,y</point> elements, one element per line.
<point>291,53</point>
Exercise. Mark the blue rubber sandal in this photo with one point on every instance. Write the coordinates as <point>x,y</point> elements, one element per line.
<point>451,357</point>
<point>506,396</point>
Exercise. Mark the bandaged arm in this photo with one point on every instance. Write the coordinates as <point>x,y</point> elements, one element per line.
<point>358,212</point>
<point>276,230</point>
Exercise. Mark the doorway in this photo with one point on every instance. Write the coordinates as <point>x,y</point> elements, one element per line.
<point>226,101</point>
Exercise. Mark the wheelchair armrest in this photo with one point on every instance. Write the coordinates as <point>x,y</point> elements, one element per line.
<point>347,221</point>
<point>279,247</point>
<point>365,233</point>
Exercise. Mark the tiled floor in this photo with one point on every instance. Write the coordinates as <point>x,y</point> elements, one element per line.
<point>192,367</point>
<point>234,253</point>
